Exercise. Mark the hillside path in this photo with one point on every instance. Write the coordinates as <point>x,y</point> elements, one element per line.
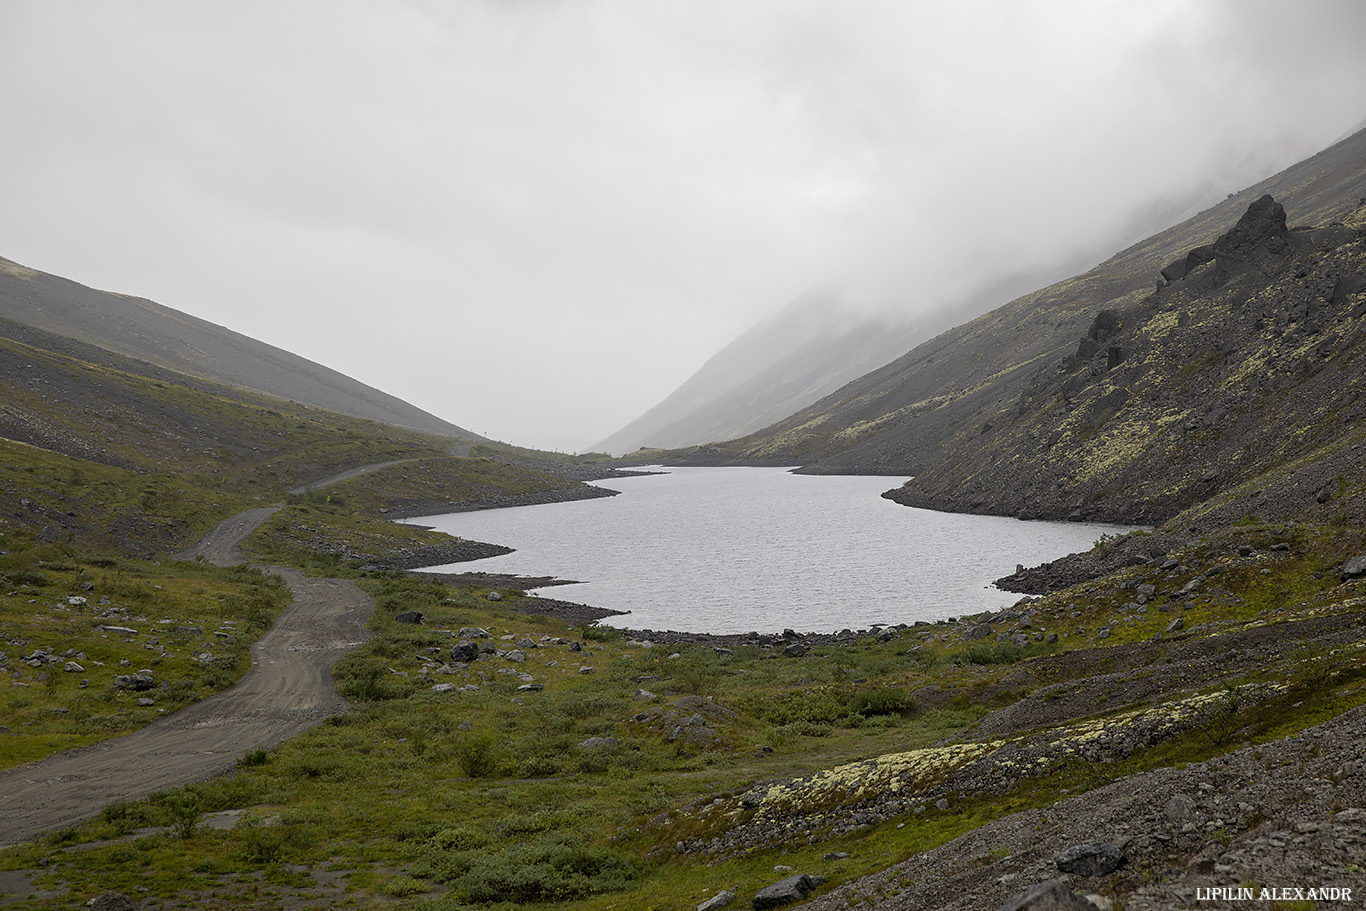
<point>288,690</point>
<point>346,476</point>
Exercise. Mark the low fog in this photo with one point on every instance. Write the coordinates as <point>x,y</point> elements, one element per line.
<point>535,218</point>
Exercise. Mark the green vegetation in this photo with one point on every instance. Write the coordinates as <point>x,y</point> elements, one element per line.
<point>89,620</point>
<point>480,792</point>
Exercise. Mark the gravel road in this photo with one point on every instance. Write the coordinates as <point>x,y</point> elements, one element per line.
<point>288,690</point>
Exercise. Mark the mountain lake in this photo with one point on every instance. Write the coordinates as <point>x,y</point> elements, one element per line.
<point>734,550</point>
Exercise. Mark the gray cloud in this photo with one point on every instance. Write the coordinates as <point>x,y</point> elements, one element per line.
<point>535,218</point>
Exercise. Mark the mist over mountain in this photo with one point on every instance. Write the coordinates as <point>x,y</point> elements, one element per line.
<point>815,345</point>
<point>145,330</point>
<point>922,413</point>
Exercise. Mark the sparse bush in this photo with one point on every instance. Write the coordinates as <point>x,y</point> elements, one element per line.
<point>996,653</point>
<point>254,757</point>
<point>262,845</point>
<point>886,701</point>
<point>476,757</point>
<point>559,867</point>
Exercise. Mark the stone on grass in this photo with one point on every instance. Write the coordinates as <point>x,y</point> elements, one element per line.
<point>112,901</point>
<point>1053,895</point>
<point>1176,625</point>
<point>786,891</point>
<point>1095,858</point>
<point>494,596</point>
<point>474,632</point>
<point>409,616</point>
<point>1354,568</point>
<point>976,631</point>
<point>717,901</point>
<point>465,651</point>
<point>598,743</point>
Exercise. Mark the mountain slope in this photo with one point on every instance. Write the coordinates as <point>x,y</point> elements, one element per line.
<point>1253,360</point>
<point>150,332</point>
<point>785,363</point>
<point>930,405</point>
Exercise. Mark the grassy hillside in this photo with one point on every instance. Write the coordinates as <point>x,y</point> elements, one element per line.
<point>175,341</point>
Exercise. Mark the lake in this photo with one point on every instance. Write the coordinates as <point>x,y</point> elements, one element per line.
<point>730,550</point>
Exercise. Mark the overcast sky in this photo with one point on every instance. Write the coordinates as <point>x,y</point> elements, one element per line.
<point>535,218</point>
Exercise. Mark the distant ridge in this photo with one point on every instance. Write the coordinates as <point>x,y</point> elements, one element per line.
<point>143,329</point>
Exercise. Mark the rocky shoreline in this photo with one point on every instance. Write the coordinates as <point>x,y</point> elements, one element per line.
<point>540,498</point>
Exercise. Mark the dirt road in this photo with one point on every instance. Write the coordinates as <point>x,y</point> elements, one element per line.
<point>345,476</point>
<point>288,690</point>
<point>220,545</point>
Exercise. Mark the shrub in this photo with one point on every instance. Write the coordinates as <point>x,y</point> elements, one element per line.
<point>476,757</point>
<point>596,633</point>
<point>887,701</point>
<point>254,757</point>
<point>996,653</point>
<point>560,867</point>
<point>261,845</point>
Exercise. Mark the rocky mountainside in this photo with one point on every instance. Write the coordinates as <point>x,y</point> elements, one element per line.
<point>1248,358</point>
<point>930,407</point>
<point>150,332</point>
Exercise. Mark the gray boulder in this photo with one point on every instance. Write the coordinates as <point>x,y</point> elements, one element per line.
<point>717,901</point>
<point>1053,895</point>
<point>474,632</point>
<point>1354,568</point>
<point>494,596</point>
<point>977,631</point>
<point>112,901</point>
<point>135,682</point>
<point>1095,858</point>
<point>465,651</point>
<point>409,616</point>
<point>786,891</point>
<point>795,650</point>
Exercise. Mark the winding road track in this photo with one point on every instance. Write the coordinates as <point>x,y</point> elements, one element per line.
<point>288,690</point>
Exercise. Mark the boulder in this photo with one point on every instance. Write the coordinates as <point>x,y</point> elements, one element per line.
<point>494,596</point>
<point>112,901</point>
<point>409,616</point>
<point>794,650</point>
<point>1053,895</point>
<point>1260,231</point>
<point>978,631</point>
<point>135,682</point>
<point>1094,858</point>
<point>474,632</point>
<point>717,902</point>
<point>786,891</point>
<point>464,651</point>
<point>1354,568</point>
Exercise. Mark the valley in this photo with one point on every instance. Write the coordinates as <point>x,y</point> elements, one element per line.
<point>1190,696</point>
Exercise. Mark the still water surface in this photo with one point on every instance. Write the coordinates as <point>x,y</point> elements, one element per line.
<point>729,550</point>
